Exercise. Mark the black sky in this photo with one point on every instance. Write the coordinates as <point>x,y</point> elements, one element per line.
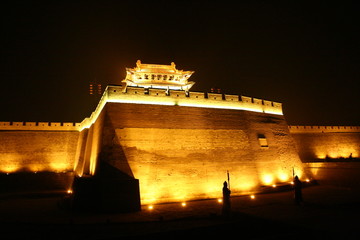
<point>305,55</point>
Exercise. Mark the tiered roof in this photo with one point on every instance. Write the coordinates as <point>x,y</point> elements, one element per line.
<point>158,76</point>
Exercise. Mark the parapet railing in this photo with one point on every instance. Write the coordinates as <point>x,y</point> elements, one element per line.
<point>323,129</point>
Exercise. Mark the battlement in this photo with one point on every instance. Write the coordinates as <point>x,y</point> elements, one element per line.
<point>138,95</point>
<point>191,99</point>
<point>323,129</point>
<point>40,126</point>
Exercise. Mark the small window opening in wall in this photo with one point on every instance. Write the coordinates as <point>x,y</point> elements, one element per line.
<point>263,141</point>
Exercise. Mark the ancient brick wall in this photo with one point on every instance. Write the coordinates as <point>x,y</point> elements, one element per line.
<point>29,150</point>
<point>181,153</point>
<point>330,142</point>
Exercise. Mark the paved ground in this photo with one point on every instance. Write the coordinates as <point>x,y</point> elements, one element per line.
<point>328,212</point>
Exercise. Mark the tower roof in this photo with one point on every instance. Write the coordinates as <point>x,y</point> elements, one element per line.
<point>158,76</point>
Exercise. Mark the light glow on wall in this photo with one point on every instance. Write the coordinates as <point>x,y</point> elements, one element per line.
<point>9,168</point>
<point>13,165</point>
<point>60,166</point>
<point>340,152</point>
<point>267,179</point>
<point>8,165</point>
<point>283,176</point>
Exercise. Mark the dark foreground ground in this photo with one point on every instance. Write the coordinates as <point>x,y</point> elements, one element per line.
<point>328,213</point>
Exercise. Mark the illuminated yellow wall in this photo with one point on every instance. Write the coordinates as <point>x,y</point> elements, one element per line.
<point>180,146</point>
<point>320,142</point>
<point>181,153</point>
<point>41,150</point>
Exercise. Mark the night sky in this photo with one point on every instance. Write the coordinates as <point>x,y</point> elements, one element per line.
<point>303,54</point>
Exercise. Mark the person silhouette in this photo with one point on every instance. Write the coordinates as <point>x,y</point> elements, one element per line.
<point>297,190</point>
<point>226,207</point>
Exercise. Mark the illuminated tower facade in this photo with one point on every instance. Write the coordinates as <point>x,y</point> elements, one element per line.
<point>158,76</point>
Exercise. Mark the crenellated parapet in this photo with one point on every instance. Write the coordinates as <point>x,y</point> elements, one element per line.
<point>323,129</point>
<point>192,99</point>
<point>139,95</point>
<point>40,126</point>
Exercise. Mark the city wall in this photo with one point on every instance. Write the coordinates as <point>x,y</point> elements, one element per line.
<point>37,146</point>
<point>37,156</point>
<point>180,153</point>
<point>179,145</point>
<point>319,143</point>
